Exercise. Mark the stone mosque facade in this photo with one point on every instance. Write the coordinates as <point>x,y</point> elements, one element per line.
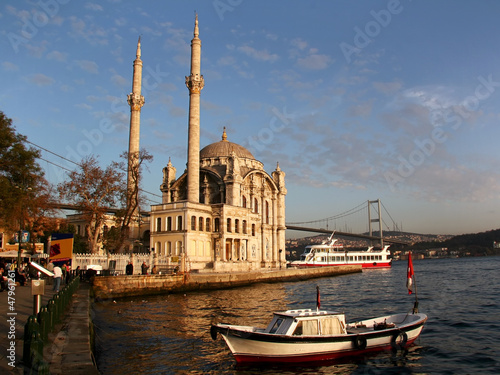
<point>225,213</point>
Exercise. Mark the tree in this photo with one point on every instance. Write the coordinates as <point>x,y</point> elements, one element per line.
<point>94,191</point>
<point>26,199</point>
<point>129,215</point>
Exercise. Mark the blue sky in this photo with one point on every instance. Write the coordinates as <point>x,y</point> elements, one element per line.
<point>390,100</point>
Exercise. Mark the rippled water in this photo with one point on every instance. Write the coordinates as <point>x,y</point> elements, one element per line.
<point>170,334</point>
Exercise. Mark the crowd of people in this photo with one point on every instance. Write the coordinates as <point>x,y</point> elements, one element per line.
<point>21,273</point>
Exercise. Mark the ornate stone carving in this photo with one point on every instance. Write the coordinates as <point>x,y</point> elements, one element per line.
<point>195,83</point>
<point>135,101</point>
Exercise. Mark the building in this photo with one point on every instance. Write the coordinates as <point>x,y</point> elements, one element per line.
<point>225,212</point>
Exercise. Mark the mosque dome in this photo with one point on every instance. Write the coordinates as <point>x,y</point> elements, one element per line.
<point>225,148</point>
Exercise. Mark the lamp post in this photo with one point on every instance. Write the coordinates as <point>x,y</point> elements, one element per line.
<point>21,224</point>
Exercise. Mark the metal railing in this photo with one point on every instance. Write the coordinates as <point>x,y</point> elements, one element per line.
<point>38,327</point>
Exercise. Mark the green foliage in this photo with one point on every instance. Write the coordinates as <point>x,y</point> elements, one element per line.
<point>24,192</point>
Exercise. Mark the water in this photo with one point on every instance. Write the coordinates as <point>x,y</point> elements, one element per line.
<point>170,334</point>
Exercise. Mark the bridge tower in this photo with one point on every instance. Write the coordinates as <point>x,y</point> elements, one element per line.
<point>379,220</point>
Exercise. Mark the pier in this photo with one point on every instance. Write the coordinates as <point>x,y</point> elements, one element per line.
<point>106,287</point>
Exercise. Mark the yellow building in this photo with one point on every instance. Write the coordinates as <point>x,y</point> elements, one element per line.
<point>225,213</point>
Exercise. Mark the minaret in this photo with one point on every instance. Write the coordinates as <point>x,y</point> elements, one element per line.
<point>194,83</point>
<point>136,101</point>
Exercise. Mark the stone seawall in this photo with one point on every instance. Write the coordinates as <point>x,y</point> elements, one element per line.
<point>106,287</point>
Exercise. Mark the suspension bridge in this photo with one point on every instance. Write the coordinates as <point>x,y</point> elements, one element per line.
<point>370,209</point>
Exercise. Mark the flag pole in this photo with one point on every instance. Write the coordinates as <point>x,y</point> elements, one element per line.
<point>412,283</point>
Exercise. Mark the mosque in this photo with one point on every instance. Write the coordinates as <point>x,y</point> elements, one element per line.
<point>225,213</point>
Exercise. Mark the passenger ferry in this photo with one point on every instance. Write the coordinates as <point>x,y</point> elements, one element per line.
<point>331,253</point>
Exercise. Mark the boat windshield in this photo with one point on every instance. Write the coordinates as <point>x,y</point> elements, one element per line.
<point>276,325</point>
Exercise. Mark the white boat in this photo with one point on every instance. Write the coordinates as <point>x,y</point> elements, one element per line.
<point>310,336</point>
<point>331,253</point>
<point>306,335</point>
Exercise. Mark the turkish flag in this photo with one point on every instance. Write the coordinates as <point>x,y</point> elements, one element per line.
<point>410,281</point>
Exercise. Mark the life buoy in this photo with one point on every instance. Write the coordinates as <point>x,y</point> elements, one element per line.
<point>213,332</point>
<point>398,340</point>
<point>359,342</point>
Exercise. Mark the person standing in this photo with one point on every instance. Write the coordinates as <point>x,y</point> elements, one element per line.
<point>57,278</point>
<point>144,268</point>
<point>129,268</point>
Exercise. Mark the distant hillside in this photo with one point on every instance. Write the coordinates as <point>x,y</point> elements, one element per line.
<point>476,244</point>
<point>473,244</point>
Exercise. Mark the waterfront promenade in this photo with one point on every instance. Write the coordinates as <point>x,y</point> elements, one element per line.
<point>68,350</point>
<point>68,347</point>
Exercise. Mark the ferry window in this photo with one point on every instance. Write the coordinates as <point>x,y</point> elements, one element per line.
<point>276,325</point>
<point>310,327</point>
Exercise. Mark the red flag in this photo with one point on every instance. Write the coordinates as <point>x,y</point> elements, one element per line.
<point>410,281</point>
<point>318,299</point>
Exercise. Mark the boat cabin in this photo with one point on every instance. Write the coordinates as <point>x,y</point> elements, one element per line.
<point>307,322</point>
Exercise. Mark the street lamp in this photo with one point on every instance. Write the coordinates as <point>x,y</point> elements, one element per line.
<point>21,224</point>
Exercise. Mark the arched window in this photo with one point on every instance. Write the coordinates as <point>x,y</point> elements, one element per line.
<point>179,222</point>
<point>244,202</point>
<point>158,224</point>
<point>207,224</point>
<point>267,212</point>
<point>169,224</point>
<point>178,247</point>
<point>236,225</point>
<point>216,225</point>
<point>193,222</point>
<point>255,205</point>
<point>200,224</point>
<point>229,225</point>
<point>169,248</point>
<point>244,227</point>
<point>253,229</point>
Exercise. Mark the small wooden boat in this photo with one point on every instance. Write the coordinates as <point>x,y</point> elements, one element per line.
<point>308,335</point>
<point>313,335</point>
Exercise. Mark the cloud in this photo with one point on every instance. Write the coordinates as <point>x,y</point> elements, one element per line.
<point>314,62</point>
<point>119,81</point>
<point>10,67</point>
<point>88,66</point>
<point>84,106</point>
<point>299,43</point>
<point>93,6</point>
<point>57,56</point>
<point>261,55</point>
<point>41,80</point>
<point>387,87</point>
